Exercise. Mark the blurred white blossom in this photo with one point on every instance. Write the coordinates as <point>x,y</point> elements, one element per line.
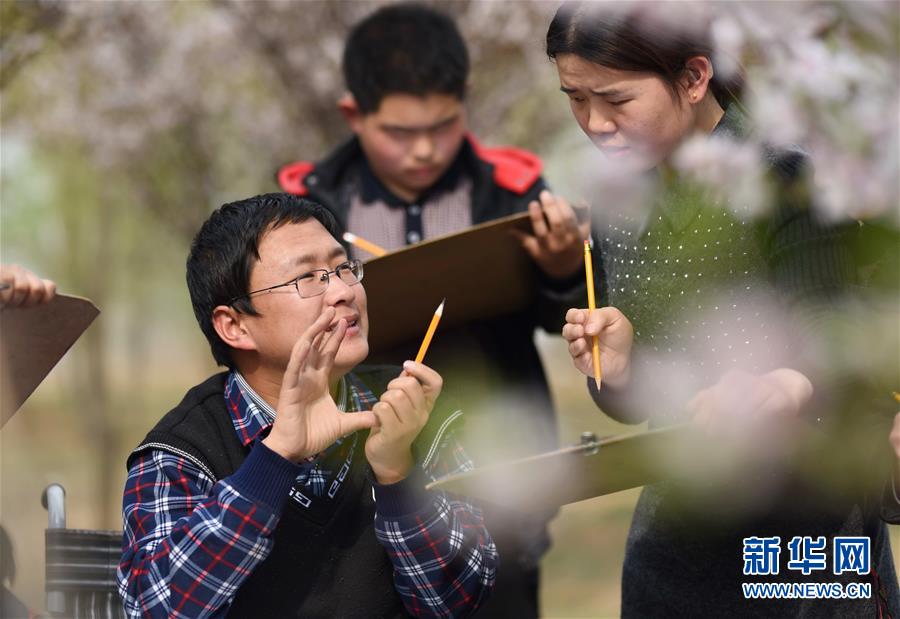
<point>732,170</point>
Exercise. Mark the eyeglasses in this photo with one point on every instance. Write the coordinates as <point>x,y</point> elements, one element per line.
<point>315,282</point>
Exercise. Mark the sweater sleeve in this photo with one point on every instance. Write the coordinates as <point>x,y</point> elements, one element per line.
<point>444,559</point>
<point>811,268</point>
<point>554,296</point>
<point>189,542</point>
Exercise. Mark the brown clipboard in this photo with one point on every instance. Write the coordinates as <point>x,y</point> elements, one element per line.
<point>33,340</point>
<point>576,473</point>
<point>482,272</point>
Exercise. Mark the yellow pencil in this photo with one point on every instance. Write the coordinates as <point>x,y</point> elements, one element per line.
<point>369,246</point>
<point>430,333</point>
<point>592,305</point>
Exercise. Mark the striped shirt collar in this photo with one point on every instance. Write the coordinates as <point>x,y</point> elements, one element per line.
<point>373,190</point>
<point>251,415</point>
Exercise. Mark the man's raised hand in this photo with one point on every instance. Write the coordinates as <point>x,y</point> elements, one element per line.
<point>307,420</point>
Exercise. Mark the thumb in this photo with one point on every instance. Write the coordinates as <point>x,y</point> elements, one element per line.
<point>597,320</point>
<point>353,422</point>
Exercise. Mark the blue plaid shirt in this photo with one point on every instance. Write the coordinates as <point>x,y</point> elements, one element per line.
<point>190,541</point>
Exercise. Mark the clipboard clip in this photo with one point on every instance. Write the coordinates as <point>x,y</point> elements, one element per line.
<point>589,443</point>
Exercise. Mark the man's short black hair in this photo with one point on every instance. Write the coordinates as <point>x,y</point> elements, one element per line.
<point>404,49</point>
<point>226,248</point>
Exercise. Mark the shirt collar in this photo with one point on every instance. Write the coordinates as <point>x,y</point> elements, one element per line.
<point>373,190</point>
<point>251,415</point>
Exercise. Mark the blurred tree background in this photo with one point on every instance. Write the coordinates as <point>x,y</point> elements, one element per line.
<point>124,124</point>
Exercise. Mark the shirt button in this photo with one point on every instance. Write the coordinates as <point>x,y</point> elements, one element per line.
<point>415,210</point>
<point>413,237</point>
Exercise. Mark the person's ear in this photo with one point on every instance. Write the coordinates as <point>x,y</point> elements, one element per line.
<point>349,109</point>
<point>698,72</point>
<point>232,329</point>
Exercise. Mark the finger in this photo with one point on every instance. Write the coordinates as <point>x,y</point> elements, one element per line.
<point>431,381</point>
<point>572,332</point>
<point>773,403</point>
<point>6,293</point>
<point>331,344</point>
<point>387,416</point>
<point>558,213</point>
<point>578,347</point>
<point>740,393</point>
<point>321,324</point>
<point>49,290</point>
<point>8,276</point>
<point>566,212</point>
<point>34,291</point>
<point>314,347</point>
<point>538,223</point>
<point>601,319</point>
<point>551,211</point>
<point>21,288</point>
<point>596,321</point>
<point>402,405</point>
<point>577,316</point>
<point>317,332</point>
<point>299,354</point>
<point>413,390</point>
<point>352,422</point>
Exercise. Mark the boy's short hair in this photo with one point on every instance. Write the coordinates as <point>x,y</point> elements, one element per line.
<point>404,49</point>
<point>225,249</point>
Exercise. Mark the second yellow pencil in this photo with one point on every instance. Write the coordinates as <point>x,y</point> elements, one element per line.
<point>430,333</point>
<point>592,305</point>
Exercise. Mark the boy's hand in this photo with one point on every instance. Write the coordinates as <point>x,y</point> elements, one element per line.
<point>22,288</point>
<point>616,337</point>
<point>307,419</point>
<point>557,245</point>
<point>402,412</point>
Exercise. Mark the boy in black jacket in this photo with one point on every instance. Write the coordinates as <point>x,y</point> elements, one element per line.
<point>412,172</point>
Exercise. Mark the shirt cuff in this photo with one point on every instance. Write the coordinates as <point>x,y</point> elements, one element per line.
<point>265,477</point>
<point>407,496</point>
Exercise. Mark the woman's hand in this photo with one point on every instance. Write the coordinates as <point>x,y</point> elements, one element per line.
<point>742,396</point>
<point>615,338</point>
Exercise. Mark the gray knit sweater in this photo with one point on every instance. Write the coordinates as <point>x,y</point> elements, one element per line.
<point>708,289</point>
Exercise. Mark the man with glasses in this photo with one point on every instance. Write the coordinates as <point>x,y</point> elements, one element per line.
<point>292,484</point>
